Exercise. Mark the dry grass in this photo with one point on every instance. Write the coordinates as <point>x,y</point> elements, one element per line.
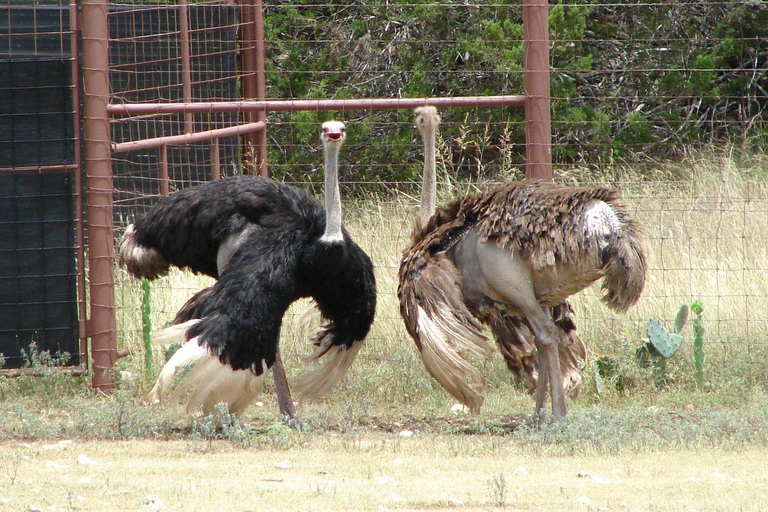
<point>386,472</point>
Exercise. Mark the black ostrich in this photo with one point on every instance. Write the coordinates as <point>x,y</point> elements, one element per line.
<point>268,244</point>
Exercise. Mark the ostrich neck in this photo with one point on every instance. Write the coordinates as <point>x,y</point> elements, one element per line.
<point>428,178</point>
<point>332,196</point>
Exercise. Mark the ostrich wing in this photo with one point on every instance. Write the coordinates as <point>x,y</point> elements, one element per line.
<point>444,330</point>
<point>585,230</point>
<point>189,227</point>
<point>340,278</point>
<point>516,343</point>
<point>233,327</point>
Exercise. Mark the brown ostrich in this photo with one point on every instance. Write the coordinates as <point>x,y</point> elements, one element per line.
<point>510,257</point>
<point>513,336</point>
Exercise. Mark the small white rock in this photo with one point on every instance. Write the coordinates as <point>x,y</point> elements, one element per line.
<point>405,433</point>
<point>459,408</point>
<point>86,461</point>
<point>283,465</point>
<point>455,503</point>
<point>521,471</point>
<point>399,461</point>
<point>84,481</point>
<point>399,499</point>
<point>382,480</point>
<point>54,465</point>
<point>584,500</point>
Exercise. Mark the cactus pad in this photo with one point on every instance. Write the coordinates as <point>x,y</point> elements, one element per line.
<point>665,342</point>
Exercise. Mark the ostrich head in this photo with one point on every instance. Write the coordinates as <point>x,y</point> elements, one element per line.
<point>333,134</point>
<point>427,120</point>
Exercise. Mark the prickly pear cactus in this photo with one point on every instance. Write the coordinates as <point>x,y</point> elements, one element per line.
<point>681,318</point>
<point>666,343</point>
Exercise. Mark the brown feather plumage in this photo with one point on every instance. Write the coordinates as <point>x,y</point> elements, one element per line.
<point>548,225</point>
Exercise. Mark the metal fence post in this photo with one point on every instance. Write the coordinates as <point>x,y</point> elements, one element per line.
<point>538,124</point>
<point>102,325</point>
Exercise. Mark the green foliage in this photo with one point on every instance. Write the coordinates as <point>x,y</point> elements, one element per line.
<point>146,328</point>
<point>664,342</point>
<point>660,345</point>
<point>624,82</point>
<point>698,343</point>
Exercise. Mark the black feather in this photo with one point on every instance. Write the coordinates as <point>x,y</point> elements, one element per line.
<point>280,259</point>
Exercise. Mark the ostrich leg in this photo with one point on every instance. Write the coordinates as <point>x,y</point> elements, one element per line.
<point>284,400</point>
<point>510,281</point>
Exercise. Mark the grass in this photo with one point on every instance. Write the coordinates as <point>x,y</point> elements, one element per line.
<point>633,445</point>
<point>386,472</point>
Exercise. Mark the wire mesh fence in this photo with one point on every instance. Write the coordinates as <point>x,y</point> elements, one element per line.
<point>634,86</point>
<point>38,177</point>
<point>613,93</point>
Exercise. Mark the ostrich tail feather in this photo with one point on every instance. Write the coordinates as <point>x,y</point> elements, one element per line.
<point>625,272</point>
<point>141,261</point>
<point>318,382</point>
<point>444,358</point>
<point>189,353</point>
<point>308,321</point>
<point>209,381</point>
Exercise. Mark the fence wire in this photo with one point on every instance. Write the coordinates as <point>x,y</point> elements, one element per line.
<point>665,100</point>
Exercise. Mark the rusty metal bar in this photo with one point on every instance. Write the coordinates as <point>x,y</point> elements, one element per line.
<point>41,168</point>
<point>293,105</point>
<point>18,372</point>
<point>538,127</point>
<point>101,326</point>
<point>164,186</point>
<point>261,93</point>
<point>186,63</point>
<point>79,200</point>
<point>189,138</point>
<point>215,160</point>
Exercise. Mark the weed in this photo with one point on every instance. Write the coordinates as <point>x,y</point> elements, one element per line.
<point>497,490</point>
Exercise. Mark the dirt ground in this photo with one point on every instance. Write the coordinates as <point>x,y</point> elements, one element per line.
<point>391,471</point>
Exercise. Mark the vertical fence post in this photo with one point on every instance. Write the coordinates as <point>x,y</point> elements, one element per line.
<point>538,125</point>
<point>82,307</point>
<point>253,82</point>
<point>165,188</point>
<point>186,62</point>
<point>102,327</point>
<point>215,160</point>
